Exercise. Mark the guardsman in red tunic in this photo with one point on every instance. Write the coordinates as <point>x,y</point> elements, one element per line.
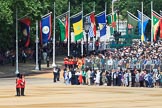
<point>66,62</point>
<point>72,62</point>
<point>69,63</point>
<point>18,85</point>
<point>75,62</point>
<point>22,85</point>
<point>79,63</point>
<point>83,59</point>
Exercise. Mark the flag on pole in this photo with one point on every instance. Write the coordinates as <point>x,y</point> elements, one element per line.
<point>156,23</point>
<point>145,22</point>
<point>25,28</point>
<point>92,29</point>
<point>160,12</point>
<point>114,20</point>
<point>111,20</point>
<point>161,28</point>
<point>132,22</point>
<point>101,20</point>
<point>78,26</point>
<point>63,23</point>
<point>45,29</point>
<point>161,25</point>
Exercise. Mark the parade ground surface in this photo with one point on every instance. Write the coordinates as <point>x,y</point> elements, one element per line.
<point>41,92</point>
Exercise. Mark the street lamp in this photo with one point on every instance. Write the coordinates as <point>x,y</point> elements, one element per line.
<point>86,28</point>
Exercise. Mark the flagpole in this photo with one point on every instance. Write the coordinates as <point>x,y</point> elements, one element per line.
<point>75,14</point>
<point>83,35</point>
<point>106,27</point>
<point>142,24</point>
<point>99,13</point>
<point>151,23</point>
<point>17,68</point>
<point>69,31</point>
<point>112,7</point>
<point>157,13</point>
<point>144,15</point>
<point>46,14</point>
<point>94,36</point>
<point>61,14</point>
<point>109,14</point>
<point>54,64</point>
<point>36,41</point>
<point>112,14</point>
<point>88,14</point>
<point>133,16</point>
<point>160,12</point>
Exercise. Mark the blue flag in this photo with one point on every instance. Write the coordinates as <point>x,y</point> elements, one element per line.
<point>45,29</point>
<point>101,20</point>
<point>145,22</point>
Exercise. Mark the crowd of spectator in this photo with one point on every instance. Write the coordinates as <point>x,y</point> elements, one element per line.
<point>139,65</point>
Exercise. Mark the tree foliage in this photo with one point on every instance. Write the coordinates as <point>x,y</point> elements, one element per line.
<point>37,8</point>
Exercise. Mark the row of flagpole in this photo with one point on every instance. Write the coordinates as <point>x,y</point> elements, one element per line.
<point>82,38</point>
<point>68,40</point>
<point>143,20</point>
<point>37,39</point>
<point>151,22</point>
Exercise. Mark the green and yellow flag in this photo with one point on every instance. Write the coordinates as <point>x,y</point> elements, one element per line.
<point>78,27</point>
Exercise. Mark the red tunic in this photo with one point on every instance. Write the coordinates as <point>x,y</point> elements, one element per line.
<point>18,83</point>
<point>23,83</point>
<point>80,79</point>
<point>65,60</point>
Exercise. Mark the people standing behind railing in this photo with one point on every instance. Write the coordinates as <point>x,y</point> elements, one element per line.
<point>119,77</point>
<point>144,56</point>
<point>126,79</point>
<point>141,78</point>
<point>137,79</point>
<point>157,78</point>
<point>108,78</point>
<point>66,77</point>
<point>88,62</point>
<point>92,76</point>
<point>161,81</point>
<point>129,78</point>
<point>97,79</point>
<point>109,63</point>
<point>84,76</point>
